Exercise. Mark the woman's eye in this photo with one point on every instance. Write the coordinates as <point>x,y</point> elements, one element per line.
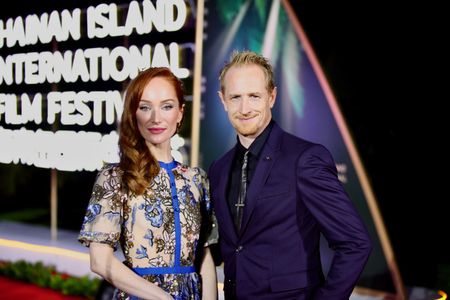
<point>167,107</point>
<point>144,107</point>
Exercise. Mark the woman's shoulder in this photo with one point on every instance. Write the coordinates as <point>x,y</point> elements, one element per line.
<point>110,170</point>
<point>191,171</point>
<point>110,167</point>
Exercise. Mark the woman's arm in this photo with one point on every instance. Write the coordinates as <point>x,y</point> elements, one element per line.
<point>105,264</point>
<point>209,276</point>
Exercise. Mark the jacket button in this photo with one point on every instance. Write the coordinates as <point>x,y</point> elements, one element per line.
<point>239,249</point>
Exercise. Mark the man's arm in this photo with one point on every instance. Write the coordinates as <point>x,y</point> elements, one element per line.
<point>338,220</point>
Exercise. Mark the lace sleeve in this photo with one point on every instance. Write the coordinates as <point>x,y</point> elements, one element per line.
<point>102,222</point>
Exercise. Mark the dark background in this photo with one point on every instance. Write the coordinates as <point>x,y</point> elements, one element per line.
<point>384,64</point>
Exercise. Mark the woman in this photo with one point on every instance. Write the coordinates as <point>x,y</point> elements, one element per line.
<point>157,208</point>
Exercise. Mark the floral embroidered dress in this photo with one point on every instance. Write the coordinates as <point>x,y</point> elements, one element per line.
<point>158,231</point>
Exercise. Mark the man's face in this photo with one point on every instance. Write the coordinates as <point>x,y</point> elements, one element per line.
<point>246,99</point>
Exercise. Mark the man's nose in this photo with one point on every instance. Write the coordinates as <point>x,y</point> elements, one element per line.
<point>245,106</point>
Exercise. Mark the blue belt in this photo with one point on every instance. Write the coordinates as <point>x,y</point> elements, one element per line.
<point>164,270</point>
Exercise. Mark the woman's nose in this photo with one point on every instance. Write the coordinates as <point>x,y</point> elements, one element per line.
<point>155,116</point>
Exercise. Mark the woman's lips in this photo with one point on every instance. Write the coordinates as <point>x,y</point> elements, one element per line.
<point>156,130</point>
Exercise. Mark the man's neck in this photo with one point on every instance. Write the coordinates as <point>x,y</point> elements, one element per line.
<point>245,141</point>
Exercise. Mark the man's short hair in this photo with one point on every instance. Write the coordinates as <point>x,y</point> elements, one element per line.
<point>240,58</point>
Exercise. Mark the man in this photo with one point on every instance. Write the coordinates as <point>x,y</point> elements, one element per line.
<point>273,202</point>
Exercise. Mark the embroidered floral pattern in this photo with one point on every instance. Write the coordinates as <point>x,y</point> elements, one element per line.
<point>146,225</point>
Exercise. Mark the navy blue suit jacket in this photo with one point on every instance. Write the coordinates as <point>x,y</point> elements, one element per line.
<point>294,196</point>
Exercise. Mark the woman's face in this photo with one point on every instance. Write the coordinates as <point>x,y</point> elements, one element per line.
<point>158,112</point>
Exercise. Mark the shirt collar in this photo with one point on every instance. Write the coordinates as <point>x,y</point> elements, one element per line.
<point>257,145</point>
<point>168,166</point>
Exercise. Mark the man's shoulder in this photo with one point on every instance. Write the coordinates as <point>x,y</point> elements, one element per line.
<point>299,145</point>
<point>290,140</point>
<point>226,157</point>
<point>218,164</point>
<point>280,134</point>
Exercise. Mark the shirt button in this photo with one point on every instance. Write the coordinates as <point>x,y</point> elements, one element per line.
<point>239,249</point>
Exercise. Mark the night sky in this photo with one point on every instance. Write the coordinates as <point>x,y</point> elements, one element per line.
<point>381,62</point>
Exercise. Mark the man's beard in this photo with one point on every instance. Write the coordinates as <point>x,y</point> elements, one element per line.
<point>246,129</point>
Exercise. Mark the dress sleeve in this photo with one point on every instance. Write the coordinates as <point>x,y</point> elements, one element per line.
<point>102,222</point>
<point>210,230</point>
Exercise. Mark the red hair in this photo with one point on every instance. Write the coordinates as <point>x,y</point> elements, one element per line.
<point>136,161</point>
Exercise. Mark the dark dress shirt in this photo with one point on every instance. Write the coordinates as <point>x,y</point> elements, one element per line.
<point>235,174</point>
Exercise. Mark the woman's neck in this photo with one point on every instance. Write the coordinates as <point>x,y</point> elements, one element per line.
<point>161,152</point>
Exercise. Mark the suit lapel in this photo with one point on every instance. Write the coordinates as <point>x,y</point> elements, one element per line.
<point>222,205</point>
<point>267,158</point>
